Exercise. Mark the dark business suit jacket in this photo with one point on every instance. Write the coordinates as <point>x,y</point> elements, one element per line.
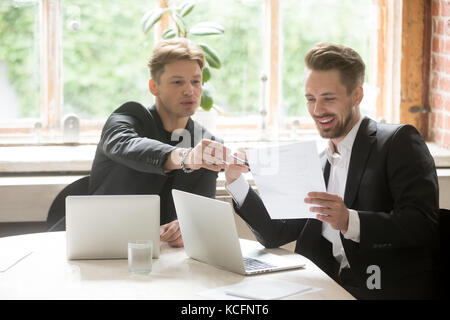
<point>131,154</point>
<point>392,184</point>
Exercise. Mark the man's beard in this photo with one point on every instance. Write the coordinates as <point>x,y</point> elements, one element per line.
<point>341,129</point>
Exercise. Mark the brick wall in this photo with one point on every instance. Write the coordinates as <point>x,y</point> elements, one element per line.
<point>440,73</point>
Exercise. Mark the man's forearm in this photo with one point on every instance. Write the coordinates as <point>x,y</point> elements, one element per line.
<point>173,161</point>
<point>238,190</point>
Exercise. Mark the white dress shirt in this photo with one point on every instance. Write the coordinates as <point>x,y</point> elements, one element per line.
<point>336,185</point>
<point>337,180</point>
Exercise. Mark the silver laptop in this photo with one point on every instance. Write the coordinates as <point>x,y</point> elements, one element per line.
<point>209,235</point>
<point>99,227</point>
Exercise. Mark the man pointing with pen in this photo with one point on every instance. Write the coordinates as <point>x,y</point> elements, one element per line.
<point>152,150</point>
<point>379,217</point>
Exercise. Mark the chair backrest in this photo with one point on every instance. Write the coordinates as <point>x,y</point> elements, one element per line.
<point>444,217</point>
<point>444,227</point>
<point>57,213</point>
<point>444,230</point>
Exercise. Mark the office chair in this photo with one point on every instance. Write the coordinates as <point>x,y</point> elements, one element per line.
<point>443,257</point>
<point>56,217</point>
<point>444,214</point>
<point>444,226</point>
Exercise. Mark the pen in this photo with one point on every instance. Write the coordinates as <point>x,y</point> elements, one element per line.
<point>241,160</point>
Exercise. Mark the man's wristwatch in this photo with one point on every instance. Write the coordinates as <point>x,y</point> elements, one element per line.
<point>183,157</point>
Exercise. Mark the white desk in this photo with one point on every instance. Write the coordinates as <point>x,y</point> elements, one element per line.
<point>47,274</point>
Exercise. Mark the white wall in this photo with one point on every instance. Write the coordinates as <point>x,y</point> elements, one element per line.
<point>444,188</point>
<point>26,199</point>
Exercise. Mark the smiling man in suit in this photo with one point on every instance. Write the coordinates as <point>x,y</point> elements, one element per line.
<point>377,224</point>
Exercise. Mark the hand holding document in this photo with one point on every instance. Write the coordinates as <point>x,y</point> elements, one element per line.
<point>284,174</point>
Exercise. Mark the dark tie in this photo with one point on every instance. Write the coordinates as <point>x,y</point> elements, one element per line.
<point>326,173</point>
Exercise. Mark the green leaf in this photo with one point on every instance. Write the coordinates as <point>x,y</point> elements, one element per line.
<point>186,8</point>
<point>206,29</point>
<point>207,101</point>
<point>206,74</point>
<point>181,24</point>
<point>151,18</point>
<point>219,110</point>
<point>169,34</point>
<point>211,56</point>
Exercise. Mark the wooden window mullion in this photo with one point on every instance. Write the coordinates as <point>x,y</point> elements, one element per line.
<point>51,64</point>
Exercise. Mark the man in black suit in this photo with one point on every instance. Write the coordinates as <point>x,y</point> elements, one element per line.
<point>377,225</point>
<point>140,151</point>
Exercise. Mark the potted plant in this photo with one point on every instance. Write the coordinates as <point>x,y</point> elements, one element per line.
<point>182,29</point>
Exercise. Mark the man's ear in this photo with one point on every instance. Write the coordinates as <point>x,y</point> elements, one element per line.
<point>358,94</point>
<point>153,86</point>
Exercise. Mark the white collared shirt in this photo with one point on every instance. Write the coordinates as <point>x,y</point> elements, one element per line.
<point>337,181</point>
<point>336,185</point>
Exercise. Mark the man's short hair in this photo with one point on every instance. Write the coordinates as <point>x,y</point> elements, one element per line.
<point>327,56</point>
<point>168,51</point>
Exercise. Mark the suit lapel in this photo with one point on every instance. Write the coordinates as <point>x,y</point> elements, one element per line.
<point>364,140</point>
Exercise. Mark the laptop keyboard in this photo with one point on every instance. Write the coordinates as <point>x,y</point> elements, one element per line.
<point>254,264</point>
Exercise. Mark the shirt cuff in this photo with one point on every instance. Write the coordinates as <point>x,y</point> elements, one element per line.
<point>238,190</point>
<point>353,231</point>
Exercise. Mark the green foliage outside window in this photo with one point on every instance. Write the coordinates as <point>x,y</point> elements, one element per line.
<point>236,83</point>
<point>306,22</point>
<point>105,52</point>
<point>19,52</point>
<point>105,56</point>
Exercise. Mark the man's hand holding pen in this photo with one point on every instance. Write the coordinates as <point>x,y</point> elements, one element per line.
<point>237,165</point>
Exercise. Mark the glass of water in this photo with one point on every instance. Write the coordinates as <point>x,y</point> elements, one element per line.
<point>140,256</point>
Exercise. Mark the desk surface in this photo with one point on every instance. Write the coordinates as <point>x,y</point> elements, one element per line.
<point>47,274</point>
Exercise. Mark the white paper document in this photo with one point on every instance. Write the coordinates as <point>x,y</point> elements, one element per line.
<point>258,289</point>
<point>11,256</point>
<point>284,174</point>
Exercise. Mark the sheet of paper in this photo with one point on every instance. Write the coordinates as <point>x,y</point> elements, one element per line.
<point>9,257</point>
<point>284,174</point>
<point>258,289</point>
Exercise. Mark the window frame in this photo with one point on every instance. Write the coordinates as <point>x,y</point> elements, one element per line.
<point>52,82</point>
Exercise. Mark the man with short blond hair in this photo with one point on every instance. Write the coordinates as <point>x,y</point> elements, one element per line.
<point>170,51</point>
<point>140,151</point>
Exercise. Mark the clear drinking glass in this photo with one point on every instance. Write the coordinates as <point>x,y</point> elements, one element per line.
<point>140,256</point>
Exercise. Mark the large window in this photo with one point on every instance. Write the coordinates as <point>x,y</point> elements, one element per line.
<point>83,57</point>
<point>236,86</point>
<point>307,22</point>
<point>105,56</point>
<point>19,60</point>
